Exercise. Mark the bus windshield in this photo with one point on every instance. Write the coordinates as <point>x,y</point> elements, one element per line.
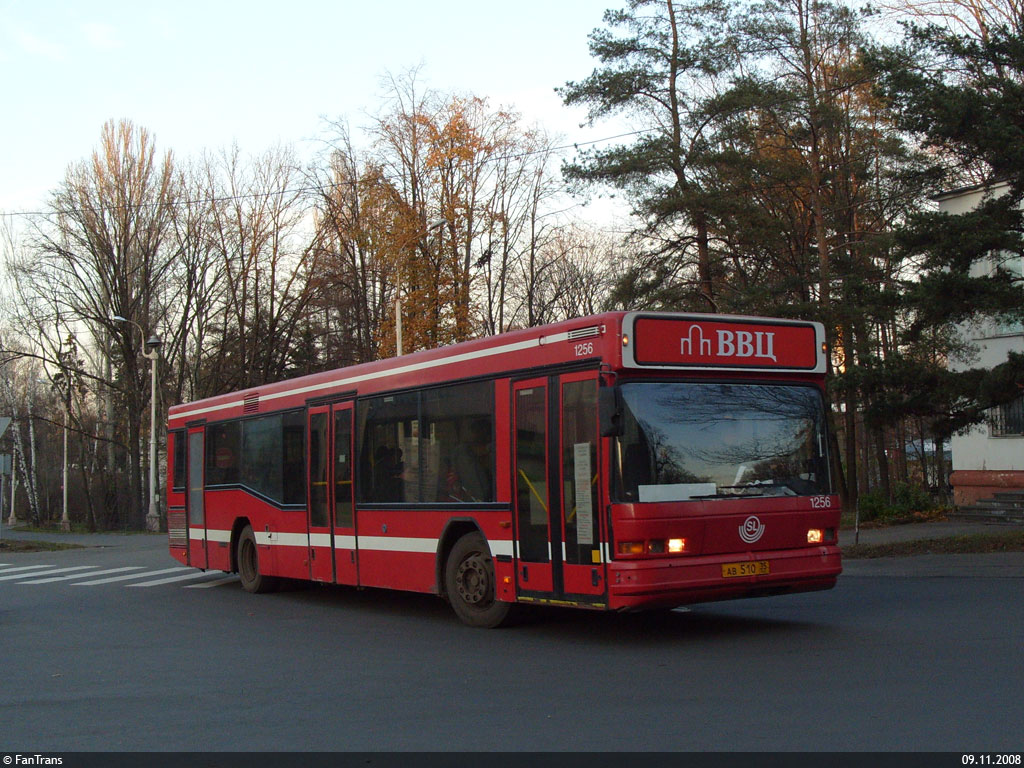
<point>689,441</point>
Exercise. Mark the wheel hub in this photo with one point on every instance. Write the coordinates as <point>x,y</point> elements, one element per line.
<point>471,580</point>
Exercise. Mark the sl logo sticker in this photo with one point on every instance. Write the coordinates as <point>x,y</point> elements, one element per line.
<point>751,530</point>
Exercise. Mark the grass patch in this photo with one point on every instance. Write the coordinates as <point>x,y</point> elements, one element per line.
<point>972,543</point>
<point>76,528</point>
<point>9,545</point>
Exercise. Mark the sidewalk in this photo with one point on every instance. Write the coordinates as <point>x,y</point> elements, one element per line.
<point>132,540</point>
<point>919,532</point>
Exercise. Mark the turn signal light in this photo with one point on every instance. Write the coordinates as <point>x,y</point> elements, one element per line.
<point>652,547</point>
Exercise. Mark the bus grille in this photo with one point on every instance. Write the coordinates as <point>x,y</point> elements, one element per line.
<point>584,333</point>
<point>176,529</point>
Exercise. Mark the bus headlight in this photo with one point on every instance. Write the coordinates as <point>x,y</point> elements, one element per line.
<point>676,546</point>
<point>815,536</point>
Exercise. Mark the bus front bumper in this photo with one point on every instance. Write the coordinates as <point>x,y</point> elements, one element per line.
<point>668,582</point>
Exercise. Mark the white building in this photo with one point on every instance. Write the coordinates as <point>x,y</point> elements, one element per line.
<point>990,457</point>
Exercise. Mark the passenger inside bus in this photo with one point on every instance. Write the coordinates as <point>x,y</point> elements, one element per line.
<point>470,472</point>
<point>387,474</point>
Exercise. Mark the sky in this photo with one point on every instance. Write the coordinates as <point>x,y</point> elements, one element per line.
<point>206,74</point>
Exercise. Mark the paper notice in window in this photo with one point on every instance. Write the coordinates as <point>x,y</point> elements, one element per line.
<point>584,500</point>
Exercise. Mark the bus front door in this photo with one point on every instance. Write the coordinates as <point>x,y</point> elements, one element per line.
<point>583,556</point>
<point>534,571</point>
<point>558,490</point>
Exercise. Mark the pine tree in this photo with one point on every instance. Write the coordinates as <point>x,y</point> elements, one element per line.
<point>963,98</point>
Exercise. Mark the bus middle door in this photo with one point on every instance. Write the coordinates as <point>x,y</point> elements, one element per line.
<point>531,466</point>
<point>331,522</point>
<point>320,550</point>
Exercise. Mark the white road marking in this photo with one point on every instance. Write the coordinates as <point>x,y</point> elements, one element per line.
<point>169,579</point>
<point>29,574</point>
<point>47,573</point>
<point>229,579</point>
<point>78,575</point>
<point>178,569</point>
<point>25,568</point>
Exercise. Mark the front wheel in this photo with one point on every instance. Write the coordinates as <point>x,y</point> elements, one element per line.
<point>470,584</point>
<point>248,559</point>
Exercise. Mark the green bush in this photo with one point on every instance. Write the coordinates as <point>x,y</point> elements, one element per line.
<point>907,500</point>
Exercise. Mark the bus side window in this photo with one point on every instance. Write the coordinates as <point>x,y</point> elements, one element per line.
<point>178,483</point>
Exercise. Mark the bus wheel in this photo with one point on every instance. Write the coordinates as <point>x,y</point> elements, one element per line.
<point>248,559</point>
<point>469,582</point>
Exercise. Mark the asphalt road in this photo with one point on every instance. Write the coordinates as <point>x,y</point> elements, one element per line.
<point>919,653</point>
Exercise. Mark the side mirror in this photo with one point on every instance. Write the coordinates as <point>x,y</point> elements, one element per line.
<point>610,408</point>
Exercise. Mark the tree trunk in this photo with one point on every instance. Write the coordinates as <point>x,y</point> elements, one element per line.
<point>878,435</point>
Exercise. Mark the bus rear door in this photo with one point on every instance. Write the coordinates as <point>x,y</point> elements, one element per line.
<point>195,498</point>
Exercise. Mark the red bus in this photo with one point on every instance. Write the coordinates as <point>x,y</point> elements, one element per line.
<point>625,461</point>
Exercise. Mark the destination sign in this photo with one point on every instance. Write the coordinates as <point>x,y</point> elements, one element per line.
<point>691,342</point>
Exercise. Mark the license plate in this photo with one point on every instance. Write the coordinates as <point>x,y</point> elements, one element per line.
<point>754,568</point>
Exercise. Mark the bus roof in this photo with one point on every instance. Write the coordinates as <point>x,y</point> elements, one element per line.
<point>642,340</point>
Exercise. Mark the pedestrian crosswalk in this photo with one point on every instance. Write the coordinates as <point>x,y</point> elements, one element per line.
<point>126,575</point>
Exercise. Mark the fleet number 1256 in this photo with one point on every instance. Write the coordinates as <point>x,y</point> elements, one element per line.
<point>584,349</point>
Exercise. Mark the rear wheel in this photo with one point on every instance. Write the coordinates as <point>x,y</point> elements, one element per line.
<point>470,584</point>
<point>248,559</point>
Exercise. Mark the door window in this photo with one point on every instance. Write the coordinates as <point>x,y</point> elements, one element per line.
<point>531,473</point>
<point>318,511</point>
<point>579,470</point>
<point>196,514</point>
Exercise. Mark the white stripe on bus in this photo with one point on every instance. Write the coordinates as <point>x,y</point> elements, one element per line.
<point>348,541</point>
<point>499,547</point>
<point>351,380</point>
<point>212,534</point>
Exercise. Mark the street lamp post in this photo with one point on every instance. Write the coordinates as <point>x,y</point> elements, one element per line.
<point>151,353</point>
<point>65,519</point>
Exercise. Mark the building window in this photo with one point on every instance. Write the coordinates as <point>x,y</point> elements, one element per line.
<point>1007,420</point>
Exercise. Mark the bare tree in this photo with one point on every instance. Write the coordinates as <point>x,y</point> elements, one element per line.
<point>256,231</point>
<point>975,18</point>
<point>99,255</point>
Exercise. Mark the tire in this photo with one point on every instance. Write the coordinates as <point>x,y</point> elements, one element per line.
<point>248,560</point>
<point>470,584</point>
